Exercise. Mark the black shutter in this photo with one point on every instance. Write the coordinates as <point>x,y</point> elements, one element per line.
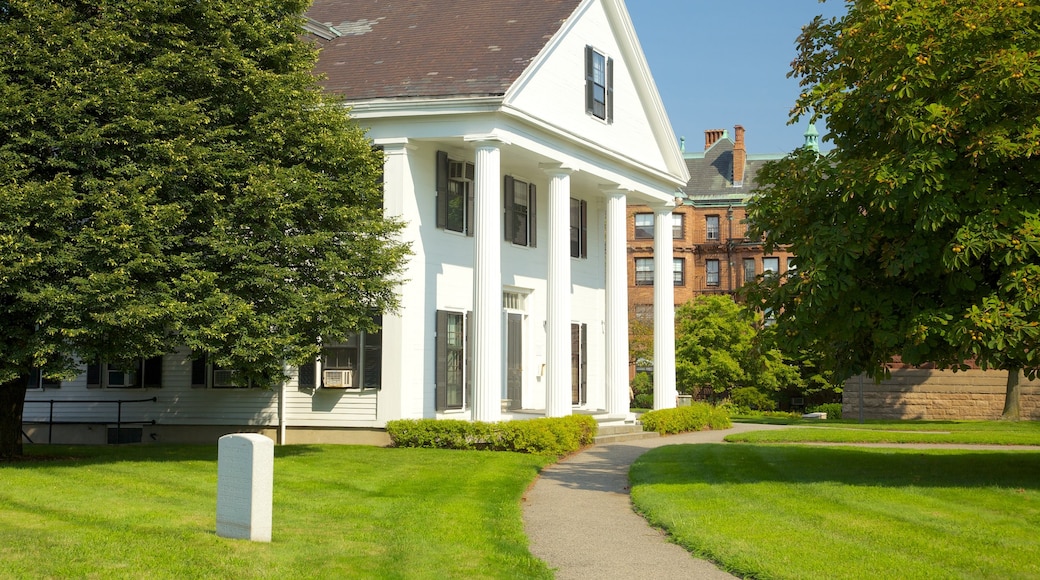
<point>94,375</point>
<point>584,240</point>
<point>307,378</point>
<point>610,90</point>
<point>532,216</point>
<point>373,369</point>
<point>442,189</point>
<point>33,380</point>
<point>509,196</point>
<point>584,372</point>
<point>151,372</point>
<point>470,188</point>
<point>198,370</point>
<point>590,84</point>
<point>440,370</point>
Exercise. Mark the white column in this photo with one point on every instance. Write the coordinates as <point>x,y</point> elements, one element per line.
<point>664,311</point>
<point>617,306</point>
<point>487,285</point>
<point>558,324</point>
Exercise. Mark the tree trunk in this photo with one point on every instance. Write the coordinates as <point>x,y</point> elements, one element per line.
<point>1012,406</point>
<point>12,400</point>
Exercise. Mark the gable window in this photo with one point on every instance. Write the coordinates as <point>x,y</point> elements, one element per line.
<point>452,364</point>
<point>519,204</point>
<point>356,362</point>
<point>454,194</point>
<point>125,374</point>
<point>749,270</point>
<point>599,85</point>
<point>678,226</point>
<point>579,228</point>
<point>711,268</point>
<point>679,271</point>
<point>644,226</point>
<point>644,271</point>
<point>711,227</point>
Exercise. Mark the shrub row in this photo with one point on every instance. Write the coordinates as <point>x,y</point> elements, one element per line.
<point>833,410</point>
<point>555,437</point>
<point>695,417</point>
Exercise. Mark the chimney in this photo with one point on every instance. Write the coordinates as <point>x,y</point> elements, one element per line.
<point>711,136</point>
<point>739,156</point>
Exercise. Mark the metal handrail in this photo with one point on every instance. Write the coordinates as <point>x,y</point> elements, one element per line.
<point>119,414</point>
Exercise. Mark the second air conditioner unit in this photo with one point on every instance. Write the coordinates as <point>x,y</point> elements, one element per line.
<point>342,379</point>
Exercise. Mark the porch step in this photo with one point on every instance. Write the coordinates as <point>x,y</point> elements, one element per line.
<point>618,433</point>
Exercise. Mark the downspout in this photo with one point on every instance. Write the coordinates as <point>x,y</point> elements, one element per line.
<point>281,414</point>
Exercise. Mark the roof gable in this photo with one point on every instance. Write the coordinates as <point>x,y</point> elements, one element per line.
<point>420,48</point>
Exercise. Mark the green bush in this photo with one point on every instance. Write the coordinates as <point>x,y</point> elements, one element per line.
<point>555,436</point>
<point>696,417</point>
<point>643,384</point>
<point>644,401</point>
<point>752,398</point>
<point>833,410</point>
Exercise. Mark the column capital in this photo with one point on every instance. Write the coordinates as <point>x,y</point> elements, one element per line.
<point>395,145</point>
<point>555,168</point>
<point>486,140</point>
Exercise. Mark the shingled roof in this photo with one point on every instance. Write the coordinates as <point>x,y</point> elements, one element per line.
<point>432,48</point>
<point>711,172</point>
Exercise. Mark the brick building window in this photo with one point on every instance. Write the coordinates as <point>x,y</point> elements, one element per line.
<point>771,266</point>
<point>749,270</point>
<point>678,226</point>
<point>644,271</point>
<point>711,271</point>
<point>679,271</point>
<point>711,227</point>
<point>644,226</point>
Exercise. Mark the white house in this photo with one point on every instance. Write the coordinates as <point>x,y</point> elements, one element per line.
<point>515,133</point>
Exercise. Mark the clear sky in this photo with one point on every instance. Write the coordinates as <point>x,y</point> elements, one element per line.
<point>720,63</point>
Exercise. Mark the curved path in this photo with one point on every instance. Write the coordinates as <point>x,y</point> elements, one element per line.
<point>579,518</point>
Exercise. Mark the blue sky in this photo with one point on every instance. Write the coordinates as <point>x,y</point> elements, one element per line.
<point>720,63</point>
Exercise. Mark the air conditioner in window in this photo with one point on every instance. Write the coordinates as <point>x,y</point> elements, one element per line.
<point>222,378</point>
<point>343,379</point>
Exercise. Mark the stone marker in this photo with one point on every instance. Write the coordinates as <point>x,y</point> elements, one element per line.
<point>245,485</point>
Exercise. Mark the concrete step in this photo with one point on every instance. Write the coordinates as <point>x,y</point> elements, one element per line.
<point>619,433</point>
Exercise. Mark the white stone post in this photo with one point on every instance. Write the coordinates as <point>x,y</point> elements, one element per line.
<point>617,306</point>
<point>245,486</point>
<point>558,398</point>
<point>487,285</point>
<point>664,312</point>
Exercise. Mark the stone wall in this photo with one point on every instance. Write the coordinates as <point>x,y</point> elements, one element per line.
<point>936,395</point>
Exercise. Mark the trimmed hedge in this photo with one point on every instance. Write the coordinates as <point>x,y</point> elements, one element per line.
<point>555,436</point>
<point>833,410</point>
<point>695,417</point>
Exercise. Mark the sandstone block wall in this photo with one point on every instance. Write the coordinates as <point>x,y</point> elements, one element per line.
<point>936,395</point>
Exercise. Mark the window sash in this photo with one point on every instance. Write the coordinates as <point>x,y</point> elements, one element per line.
<point>579,229</point>
<point>644,226</point>
<point>678,226</point>
<point>678,271</point>
<point>711,227</point>
<point>644,271</point>
<point>770,265</point>
<point>711,272</point>
<point>749,270</point>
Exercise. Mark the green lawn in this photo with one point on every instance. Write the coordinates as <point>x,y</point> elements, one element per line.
<point>965,432</point>
<point>801,512</point>
<point>339,512</point>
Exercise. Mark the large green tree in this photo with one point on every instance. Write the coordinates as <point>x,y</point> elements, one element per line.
<point>171,174</point>
<point>716,347</point>
<point>919,235</point>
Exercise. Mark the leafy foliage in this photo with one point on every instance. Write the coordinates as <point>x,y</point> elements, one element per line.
<point>919,235</point>
<point>170,173</point>
<point>697,416</point>
<point>716,347</point>
<point>554,436</point>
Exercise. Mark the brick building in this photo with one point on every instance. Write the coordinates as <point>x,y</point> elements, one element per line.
<point>711,252</point>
